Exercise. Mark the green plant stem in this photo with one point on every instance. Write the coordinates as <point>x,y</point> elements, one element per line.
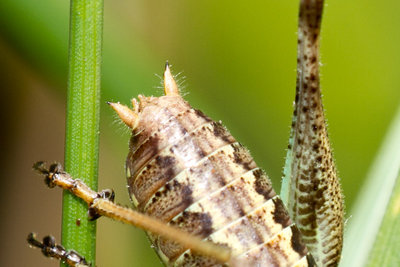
<point>82,123</point>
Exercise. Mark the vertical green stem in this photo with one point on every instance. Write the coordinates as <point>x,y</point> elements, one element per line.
<point>82,124</point>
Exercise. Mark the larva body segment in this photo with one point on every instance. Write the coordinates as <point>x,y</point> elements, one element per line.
<point>188,171</point>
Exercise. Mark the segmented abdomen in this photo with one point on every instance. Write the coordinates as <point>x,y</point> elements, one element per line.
<point>188,171</point>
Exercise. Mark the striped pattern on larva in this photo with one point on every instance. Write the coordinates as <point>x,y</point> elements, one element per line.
<point>188,171</point>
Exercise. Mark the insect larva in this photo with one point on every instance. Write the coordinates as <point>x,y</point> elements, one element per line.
<point>188,171</point>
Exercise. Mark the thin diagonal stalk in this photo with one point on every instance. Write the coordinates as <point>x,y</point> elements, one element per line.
<point>385,251</point>
<point>82,124</point>
<point>369,229</point>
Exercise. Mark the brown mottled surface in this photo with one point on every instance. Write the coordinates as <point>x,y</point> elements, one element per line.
<point>189,171</point>
<point>315,200</point>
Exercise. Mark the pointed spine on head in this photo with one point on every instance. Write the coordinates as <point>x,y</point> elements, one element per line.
<point>170,86</point>
<point>128,116</point>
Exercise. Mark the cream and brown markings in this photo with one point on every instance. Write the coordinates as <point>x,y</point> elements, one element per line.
<point>314,200</point>
<point>188,171</point>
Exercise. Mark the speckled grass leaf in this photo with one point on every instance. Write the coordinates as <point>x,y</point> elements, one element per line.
<point>310,186</point>
<point>372,235</point>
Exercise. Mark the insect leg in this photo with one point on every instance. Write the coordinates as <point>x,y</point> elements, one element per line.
<point>101,203</point>
<point>51,249</point>
<point>311,188</point>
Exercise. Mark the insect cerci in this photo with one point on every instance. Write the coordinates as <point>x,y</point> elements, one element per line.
<point>201,196</point>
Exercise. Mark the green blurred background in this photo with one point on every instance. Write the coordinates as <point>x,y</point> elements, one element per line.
<point>237,63</point>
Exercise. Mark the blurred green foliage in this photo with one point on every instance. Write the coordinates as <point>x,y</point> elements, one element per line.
<point>239,61</point>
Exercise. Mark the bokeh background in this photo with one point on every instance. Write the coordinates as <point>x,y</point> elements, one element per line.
<point>236,62</point>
